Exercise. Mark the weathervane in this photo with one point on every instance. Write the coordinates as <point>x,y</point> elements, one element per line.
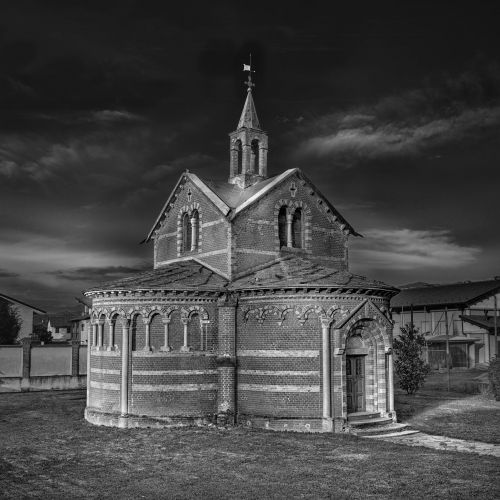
<point>248,67</point>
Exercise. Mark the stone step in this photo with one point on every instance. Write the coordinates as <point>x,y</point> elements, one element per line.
<point>361,415</point>
<point>380,429</point>
<point>390,434</point>
<point>370,422</point>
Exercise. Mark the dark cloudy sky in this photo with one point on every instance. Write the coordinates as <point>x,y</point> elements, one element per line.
<point>392,109</point>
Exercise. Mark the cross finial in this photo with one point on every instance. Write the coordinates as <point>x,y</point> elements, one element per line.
<point>248,67</point>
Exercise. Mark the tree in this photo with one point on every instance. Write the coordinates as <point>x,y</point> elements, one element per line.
<point>410,368</point>
<point>42,334</point>
<point>10,323</point>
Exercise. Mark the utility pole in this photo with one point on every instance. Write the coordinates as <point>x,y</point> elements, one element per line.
<point>447,346</point>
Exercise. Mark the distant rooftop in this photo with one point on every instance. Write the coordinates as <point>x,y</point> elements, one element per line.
<point>452,295</point>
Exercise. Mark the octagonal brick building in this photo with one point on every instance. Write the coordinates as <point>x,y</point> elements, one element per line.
<point>249,314</point>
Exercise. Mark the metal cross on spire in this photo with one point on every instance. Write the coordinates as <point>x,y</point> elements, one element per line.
<point>248,67</point>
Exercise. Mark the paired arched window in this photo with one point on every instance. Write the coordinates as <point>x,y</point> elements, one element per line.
<point>190,231</point>
<point>291,227</point>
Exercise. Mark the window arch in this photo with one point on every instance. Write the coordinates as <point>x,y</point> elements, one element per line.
<point>195,229</point>
<point>239,157</point>
<point>186,232</point>
<point>254,158</point>
<point>282,229</point>
<point>297,225</point>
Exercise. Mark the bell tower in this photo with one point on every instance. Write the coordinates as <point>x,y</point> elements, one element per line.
<point>248,144</point>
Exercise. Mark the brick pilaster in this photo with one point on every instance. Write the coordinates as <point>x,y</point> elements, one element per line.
<point>226,360</point>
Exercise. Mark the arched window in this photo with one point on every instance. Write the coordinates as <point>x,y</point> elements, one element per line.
<point>282,226</point>
<point>239,157</point>
<point>186,233</point>
<point>195,229</point>
<point>297,228</point>
<point>254,159</point>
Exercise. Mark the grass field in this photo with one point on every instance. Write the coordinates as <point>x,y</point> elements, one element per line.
<point>48,451</point>
<point>455,414</point>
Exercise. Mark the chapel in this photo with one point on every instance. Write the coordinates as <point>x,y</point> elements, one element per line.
<point>249,314</point>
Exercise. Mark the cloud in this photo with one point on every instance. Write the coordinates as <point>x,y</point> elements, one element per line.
<point>7,274</point>
<point>407,249</point>
<point>94,274</point>
<point>193,161</point>
<point>406,124</point>
<point>114,115</point>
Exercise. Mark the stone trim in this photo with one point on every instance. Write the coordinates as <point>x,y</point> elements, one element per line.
<point>278,388</point>
<point>173,387</point>
<point>282,373</point>
<point>277,353</point>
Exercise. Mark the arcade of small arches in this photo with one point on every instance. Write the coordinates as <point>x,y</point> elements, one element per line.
<point>248,158</point>
<point>168,329</point>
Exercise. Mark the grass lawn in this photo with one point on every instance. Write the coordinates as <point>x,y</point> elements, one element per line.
<point>48,451</point>
<point>455,414</point>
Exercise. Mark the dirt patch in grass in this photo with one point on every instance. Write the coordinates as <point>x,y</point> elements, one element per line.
<point>47,450</point>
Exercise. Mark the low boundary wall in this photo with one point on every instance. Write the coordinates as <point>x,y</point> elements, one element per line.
<point>32,366</point>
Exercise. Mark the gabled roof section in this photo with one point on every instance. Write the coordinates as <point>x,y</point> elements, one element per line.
<point>209,193</point>
<point>184,275</point>
<point>248,118</point>
<point>298,271</point>
<point>17,301</point>
<point>451,295</point>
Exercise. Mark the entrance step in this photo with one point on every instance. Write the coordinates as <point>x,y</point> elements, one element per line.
<point>388,430</point>
<point>361,415</point>
<point>391,434</point>
<point>369,422</point>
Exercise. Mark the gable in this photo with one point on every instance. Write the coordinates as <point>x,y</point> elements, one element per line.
<point>294,185</point>
<point>185,181</point>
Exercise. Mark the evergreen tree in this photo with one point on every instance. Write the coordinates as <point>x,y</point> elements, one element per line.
<point>10,323</point>
<point>410,368</point>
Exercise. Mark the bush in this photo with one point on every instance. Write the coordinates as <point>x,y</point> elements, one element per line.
<point>494,377</point>
<point>410,368</point>
<point>41,333</point>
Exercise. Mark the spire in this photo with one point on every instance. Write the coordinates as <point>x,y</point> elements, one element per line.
<point>248,116</point>
<point>248,143</point>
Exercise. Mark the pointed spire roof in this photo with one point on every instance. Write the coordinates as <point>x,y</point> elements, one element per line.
<point>248,116</point>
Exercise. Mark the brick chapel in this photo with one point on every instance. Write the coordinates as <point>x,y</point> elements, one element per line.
<point>249,314</point>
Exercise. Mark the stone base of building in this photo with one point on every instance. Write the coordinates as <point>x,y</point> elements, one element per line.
<point>290,424</point>
<point>97,417</point>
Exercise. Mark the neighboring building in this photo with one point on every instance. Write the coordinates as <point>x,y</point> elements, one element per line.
<point>250,312</point>
<point>59,325</point>
<point>80,325</point>
<point>469,308</point>
<point>26,313</point>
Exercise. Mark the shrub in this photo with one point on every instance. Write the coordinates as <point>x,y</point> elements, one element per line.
<point>494,377</point>
<point>410,368</point>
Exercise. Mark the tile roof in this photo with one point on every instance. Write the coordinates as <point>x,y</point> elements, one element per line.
<point>11,299</point>
<point>455,294</point>
<point>294,270</point>
<point>234,196</point>
<point>186,275</point>
<point>288,271</point>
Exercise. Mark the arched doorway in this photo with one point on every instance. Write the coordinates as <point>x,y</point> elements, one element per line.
<point>356,353</point>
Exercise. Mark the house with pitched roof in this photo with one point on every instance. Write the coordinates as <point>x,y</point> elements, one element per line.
<point>249,312</point>
<point>464,314</point>
<point>26,314</point>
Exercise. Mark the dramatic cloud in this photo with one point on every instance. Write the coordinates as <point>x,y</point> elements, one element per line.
<point>7,274</point>
<point>94,274</point>
<point>406,249</point>
<point>407,124</point>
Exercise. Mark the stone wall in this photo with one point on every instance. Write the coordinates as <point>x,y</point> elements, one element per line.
<point>34,367</point>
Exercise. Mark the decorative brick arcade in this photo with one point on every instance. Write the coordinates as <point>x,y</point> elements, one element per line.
<point>250,314</point>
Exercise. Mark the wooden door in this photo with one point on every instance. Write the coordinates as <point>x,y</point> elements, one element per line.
<point>355,376</point>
